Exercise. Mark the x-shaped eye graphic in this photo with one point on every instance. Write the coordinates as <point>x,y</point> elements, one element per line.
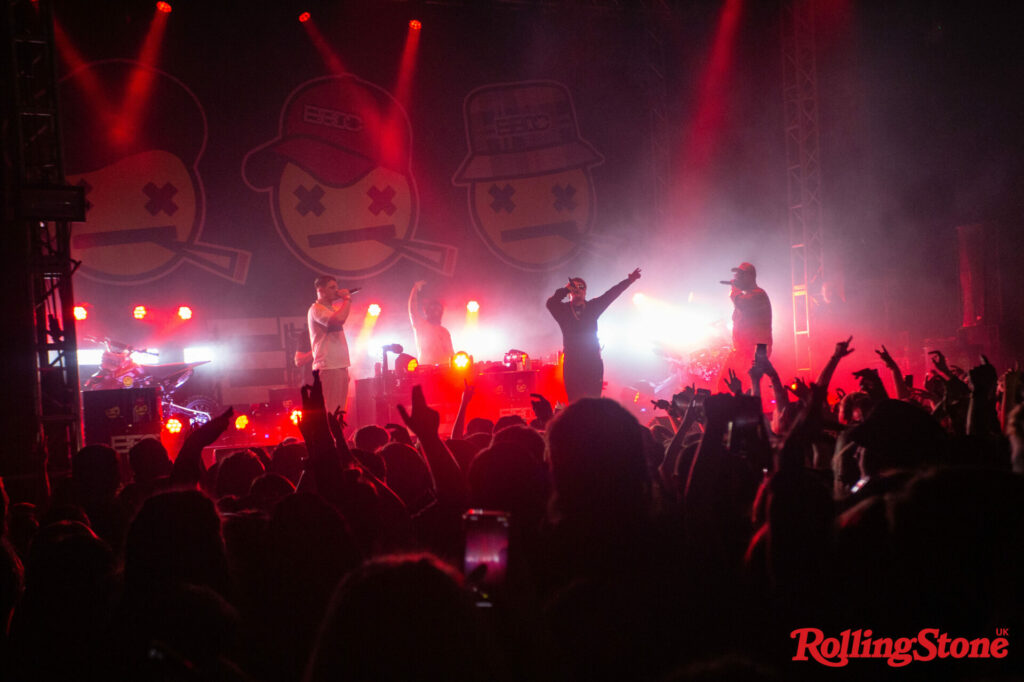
<point>160,198</point>
<point>502,198</point>
<point>564,197</point>
<point>382,200</point>
<point>86,187</point>
<point>309,200</point>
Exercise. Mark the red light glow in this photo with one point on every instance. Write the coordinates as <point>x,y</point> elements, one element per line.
<point>473,307</point>
<point>241,421</point>
<point>304,17</point>
<point>80,312</point>
<point>173,425</point>
<point>185,313</point>
<point>295,417</point>
<point>460,360</point>
<point>413,364</point>
<point>415,25</point>
<point>139,312</point>
<point>373,310</point>
<point>164,7</point>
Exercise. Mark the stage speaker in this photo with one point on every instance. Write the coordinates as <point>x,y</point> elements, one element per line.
<point>120,412</point>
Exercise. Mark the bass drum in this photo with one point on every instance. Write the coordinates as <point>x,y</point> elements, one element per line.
<point>204,404</point>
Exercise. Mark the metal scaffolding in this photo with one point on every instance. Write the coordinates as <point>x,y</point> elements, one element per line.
<point>803,164</point>
<point>37,221</point>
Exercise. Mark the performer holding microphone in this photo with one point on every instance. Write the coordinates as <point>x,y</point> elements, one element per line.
<point>326,320</point>
<point>583,368</point>
<point>751,318</point>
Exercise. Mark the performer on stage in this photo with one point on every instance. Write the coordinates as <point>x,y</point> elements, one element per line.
<point>326,320</point>
<point>751,317</point>
<point>583,368</point>
<point>433,342</point>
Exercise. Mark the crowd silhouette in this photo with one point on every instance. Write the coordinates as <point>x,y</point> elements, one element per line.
<point>691,548</point>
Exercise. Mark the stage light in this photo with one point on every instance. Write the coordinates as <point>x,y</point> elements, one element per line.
<point>373,310</point>
<point>80,313</point>
<point>199,354</point>
<point>406,363</point>
<point>164,7</point>
<point>184,312</point>
<point>173,425</point>
<point>462,360</point>
<point>149,356</point>
<point>139,312</point>
<point>241,422</point>
<point>639,298</point>
<point>304,17</point>
<point>90,356</point>
<point>415,25</point>
<point>473,307</point>
<point>295,417</point>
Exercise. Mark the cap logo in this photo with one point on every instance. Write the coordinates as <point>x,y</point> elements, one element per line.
<point>331,118</point>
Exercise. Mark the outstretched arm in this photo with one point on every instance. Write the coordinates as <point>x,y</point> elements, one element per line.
<point>902,390</point>
<point>424,422</point>
<point>414,303</point>
<point>604,300</point>
<point>188,465</point>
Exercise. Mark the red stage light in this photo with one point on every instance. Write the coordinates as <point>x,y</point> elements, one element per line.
<point>80,312</point>
<point>304,17</point>
<point>412,365</point>
<point>139,312</point>
<point>173,425</point>
<point>415,25</point>
<point>184,312</point>
<point>295,417</point>
<point>241,421</point>
<point>473,307</point>
<point>164,7</point>
<point>461,360</point>
<point>373,310</point>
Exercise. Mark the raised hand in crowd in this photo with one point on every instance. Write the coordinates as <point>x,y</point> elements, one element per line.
<point>424,421</point>
<point>841,351</point>
<point>982,413</point>
<point>733,383</point>
<point>1009,392</point>
<point>800,389</point>
<point>542,409</point>
<point>903,391</point>
<point>188,467</point>
<point>459,427</point>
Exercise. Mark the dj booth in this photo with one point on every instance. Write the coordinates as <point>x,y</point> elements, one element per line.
<point>500,391</point>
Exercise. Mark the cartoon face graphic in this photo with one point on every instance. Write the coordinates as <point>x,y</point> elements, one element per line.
<point>343,196</point>
<point>531,196</point>
<point>349,229</point>
<point>145,203</point>
<point>138,167</point>
<point>535,221</point>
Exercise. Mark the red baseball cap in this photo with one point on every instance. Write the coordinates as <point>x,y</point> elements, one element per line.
<point>338,129</point>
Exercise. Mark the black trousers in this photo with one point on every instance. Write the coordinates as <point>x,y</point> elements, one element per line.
<point>584,375</point>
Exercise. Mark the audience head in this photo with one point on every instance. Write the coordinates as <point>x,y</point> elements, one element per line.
<point>401,618</point>
<point>149,461</point>
<point>408,474</point>
<point>237,472</point>
<point>597,460</point>
<point>479,425</point>
<point>371,438</point>
<point>95,472</point>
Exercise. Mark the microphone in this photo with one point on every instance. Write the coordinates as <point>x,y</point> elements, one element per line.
<point>730,282</point>
<point>354,290</point>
